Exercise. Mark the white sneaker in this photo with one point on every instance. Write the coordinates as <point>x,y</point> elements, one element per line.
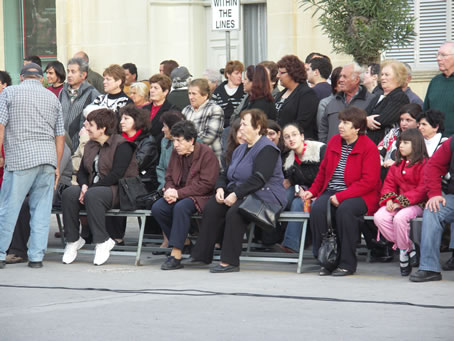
<point>71,250</point>
<point>103,251</point>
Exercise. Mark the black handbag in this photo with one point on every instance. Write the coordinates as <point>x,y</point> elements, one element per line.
<point>147,200</point>
<point>328,254</point>
<point>263,215</point>
<point>129,189</point>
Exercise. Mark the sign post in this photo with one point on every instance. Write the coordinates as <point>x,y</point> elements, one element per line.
<point>225,17</point>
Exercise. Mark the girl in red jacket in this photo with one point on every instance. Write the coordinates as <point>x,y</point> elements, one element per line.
<point>403,196</point>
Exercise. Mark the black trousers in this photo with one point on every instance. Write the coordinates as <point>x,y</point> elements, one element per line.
<point>21,233</point>
<point>220,219</point>
<point>347,219</point>
<point>97,201</point>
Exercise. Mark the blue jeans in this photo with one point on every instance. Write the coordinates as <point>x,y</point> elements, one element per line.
<point>432,230</point>
<point>292,238</point>
<point>39,183</point>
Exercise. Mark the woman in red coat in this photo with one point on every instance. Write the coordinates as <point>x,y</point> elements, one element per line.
<point>349,177</point>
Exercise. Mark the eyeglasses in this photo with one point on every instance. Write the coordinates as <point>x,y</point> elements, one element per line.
<point>282,72</point>
<point>444,55</point>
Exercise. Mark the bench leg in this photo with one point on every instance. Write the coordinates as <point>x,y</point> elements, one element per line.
<point>251,229</point>
<point>139,245</point>
<point>60,228</point>
<point>303,240</point>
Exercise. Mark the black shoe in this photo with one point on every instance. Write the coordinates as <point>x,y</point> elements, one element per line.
<point>159,253</point>
<point>324,271</point>
<point>220,269</point>
<point>35,265</point>
<point>342,272</point>
<point>414,261</point>
<point>425,276</point>
<point>405,268</point>
<point>187,249</point>
<point>193,262</point>
<point>2,264</point>
<point>172,264</point>
<point>449,265</point>
<point>381,255</point>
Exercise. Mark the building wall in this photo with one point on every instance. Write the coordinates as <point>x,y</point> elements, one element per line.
<point>2,40</point>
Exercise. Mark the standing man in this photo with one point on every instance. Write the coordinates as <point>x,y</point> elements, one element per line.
<point>130,76</point>
<point>93,77</point>
<point>32,118</point>
<point>318,71</point>
<point>440,93</point>
<point>351,93</point>
<point>74,97</point>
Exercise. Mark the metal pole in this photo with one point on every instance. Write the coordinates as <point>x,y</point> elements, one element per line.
<point>227,45</point>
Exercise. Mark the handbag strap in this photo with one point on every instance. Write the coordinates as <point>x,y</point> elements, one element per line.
<point>329,218</point>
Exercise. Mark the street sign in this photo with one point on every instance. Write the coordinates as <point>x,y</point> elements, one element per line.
<point>225,15</point>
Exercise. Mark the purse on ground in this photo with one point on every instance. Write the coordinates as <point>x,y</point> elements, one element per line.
<point>129,189</point>
<point>263,215</point>
<point>328,254</point>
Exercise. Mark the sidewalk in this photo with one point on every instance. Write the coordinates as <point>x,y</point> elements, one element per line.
<point>265,301</point>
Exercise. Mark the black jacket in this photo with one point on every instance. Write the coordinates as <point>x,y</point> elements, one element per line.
<point>156,124</point>
<point>388,110</point>
<point>301,106</point>
<point>147,155</point>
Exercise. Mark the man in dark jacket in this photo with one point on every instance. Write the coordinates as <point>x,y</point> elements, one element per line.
<point>351,93</point>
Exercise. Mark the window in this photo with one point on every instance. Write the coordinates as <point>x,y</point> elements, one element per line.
<point>433,26</point>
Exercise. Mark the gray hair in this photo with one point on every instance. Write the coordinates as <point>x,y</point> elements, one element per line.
<point>213,76</point>
<point>141,88</point>
<point>83,65</point>
<point>408,67</point>
<point>450,44</point>
<point>358,71</point>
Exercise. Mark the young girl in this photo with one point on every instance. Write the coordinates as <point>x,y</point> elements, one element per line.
<point>402,197</point>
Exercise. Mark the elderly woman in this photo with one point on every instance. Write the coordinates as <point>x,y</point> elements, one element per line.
<point>256,167</point>
<point>431,124</point>
<point>56,75</point>
<point>114,97</point>
<point>297,102</point>
<point>206,115</point>
<point>108,157</point>
<point>383,110</point>
<point>138,92</point>
<point>159,89</point>
<point>301,166</point>
<point>349,178</point>
<point>190,180</point>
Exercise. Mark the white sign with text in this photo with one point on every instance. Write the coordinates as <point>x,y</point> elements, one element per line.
<point>225,15</point>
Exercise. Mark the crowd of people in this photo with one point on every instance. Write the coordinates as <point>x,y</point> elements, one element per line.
<point>352,140</point>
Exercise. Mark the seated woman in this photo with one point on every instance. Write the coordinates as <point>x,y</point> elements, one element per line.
<point>138,92</point>
<point>300,169</point>
<point>190,179</point>
<point>207,116</point>
<point>255,168</point>
<point>274,133</point>
<point>349,178</point>
<point>233,140</point>
<point>431,124</point>
<point>108,157</point>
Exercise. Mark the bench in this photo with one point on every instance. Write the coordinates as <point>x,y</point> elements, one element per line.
<point>247,255</point>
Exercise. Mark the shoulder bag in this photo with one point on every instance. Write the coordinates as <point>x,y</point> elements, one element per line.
<point>328,254</point>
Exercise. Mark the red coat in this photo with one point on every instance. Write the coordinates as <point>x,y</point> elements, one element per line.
<point>405,185</point>
<point>202,176</point>
<point>436,168</point>
<point>362,171</point>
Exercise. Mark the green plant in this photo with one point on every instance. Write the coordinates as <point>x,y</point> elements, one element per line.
<point>364,28</point>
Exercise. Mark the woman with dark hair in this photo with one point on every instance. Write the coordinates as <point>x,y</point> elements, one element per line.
<point>431,124</point>
<point>274,133</point>
<point>108,157</point>
<point>257,86</point>
<point>135,127</point>
<point>255,168</point>
<point>190,179</point>
<point>56,76</point>
<point>387,147</point>
<point>349,178</point>
<point>168,119</point>
<point>233,140</point>
<point>301,166</point>
<point>297,102</point>
<point>273,70</point>
<point>160,85</point>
